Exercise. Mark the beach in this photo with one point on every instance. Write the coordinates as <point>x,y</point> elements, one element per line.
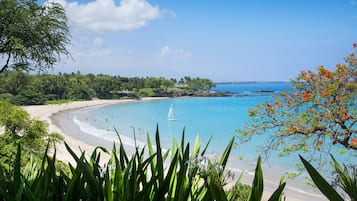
<point>46,113</point>
<point>82,142</point>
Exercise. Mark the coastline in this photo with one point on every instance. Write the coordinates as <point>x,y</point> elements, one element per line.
<point>48,113</point>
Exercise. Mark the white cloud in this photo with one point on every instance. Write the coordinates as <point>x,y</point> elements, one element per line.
<point>165,51</point>
<point>99,42</point>
<point>176,54</point>
<point>181,54</point>
<point>107,16</point>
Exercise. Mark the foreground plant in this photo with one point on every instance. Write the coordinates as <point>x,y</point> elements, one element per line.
<point>346,180</point>
<point>176,174</point>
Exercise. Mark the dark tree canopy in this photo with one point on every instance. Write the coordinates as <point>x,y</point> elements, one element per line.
<point>32,36</point>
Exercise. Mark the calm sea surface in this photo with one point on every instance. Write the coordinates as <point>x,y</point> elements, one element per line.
<point>217,117</point>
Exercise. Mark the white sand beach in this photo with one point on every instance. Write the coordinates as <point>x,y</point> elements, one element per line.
<point>45,112</point>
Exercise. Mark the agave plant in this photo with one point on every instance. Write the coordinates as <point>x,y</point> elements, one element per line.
<point>346,180</point>
<point>150,173</point>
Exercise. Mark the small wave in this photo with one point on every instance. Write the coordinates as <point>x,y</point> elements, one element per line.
<point>107,135</point>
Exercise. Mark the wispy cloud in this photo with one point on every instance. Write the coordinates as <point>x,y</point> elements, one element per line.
<point>176,54</point>
<point>99,42</point>
<point>107,16</point>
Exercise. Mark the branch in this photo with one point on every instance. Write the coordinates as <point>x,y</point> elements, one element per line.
<point>345,143</point>
<point>6,64</point>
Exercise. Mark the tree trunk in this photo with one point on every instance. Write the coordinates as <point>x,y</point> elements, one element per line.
<point>6,64</point>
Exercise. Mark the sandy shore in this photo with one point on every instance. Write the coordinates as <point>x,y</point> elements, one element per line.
<point>46,113</point>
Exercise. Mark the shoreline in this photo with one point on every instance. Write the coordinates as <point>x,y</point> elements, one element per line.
<point>47,112</point>
<point>88,143</point>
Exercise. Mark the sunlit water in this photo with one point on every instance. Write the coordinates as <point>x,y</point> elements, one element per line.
<point>217,118</point>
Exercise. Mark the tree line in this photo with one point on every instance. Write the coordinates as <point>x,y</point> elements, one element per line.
<point>22,88</point>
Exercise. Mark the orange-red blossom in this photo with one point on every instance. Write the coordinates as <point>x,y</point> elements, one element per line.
<point>292,129</point>
<point>306,96</point>
<point>318,144</point>
<point>353,141</point>
<point>325,93</point>
<point>325,72</point>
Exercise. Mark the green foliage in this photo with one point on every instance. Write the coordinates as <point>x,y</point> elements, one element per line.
<point>257,187</point>
<point>142,176</point>
<point>148,92</point>
<point>32,36</point>
<point>25,89</point>
<point>50,102</point>
<point>240,192</point>
<point>346,178</point>
<point>20,128</point>
<point>157,83</point>
<point>6,96</point>
<point>324,186</point>
<point>201,84</point>
<point>29,97</point>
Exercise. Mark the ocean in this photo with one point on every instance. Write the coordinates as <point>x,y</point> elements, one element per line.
<point>206,117</point>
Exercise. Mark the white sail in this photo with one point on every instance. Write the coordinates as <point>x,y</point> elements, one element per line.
<point>170,115</point>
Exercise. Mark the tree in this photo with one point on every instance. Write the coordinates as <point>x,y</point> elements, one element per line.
<point>32,36</point>
<point>202,84</point>
<point>19,127</point>
<point>317,113</point>
<point>16,81</point>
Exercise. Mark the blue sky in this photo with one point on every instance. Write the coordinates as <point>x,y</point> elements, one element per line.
<point>223,40</point>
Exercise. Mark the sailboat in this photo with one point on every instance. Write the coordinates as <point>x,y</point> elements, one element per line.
<point>170,115</point>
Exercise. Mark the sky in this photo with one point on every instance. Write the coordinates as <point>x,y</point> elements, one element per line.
<point>226,40</point>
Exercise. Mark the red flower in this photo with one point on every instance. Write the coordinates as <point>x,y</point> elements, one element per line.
<point>292,129</point>
<point>306,96</point>
<point>353,141</point>
<point>355,45</point>
<point>318,144</point>
<point>345,117</point>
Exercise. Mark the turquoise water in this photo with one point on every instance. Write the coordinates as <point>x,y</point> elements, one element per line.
<point>216,117</point>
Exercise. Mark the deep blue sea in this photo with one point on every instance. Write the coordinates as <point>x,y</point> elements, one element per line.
<point>214,117</point>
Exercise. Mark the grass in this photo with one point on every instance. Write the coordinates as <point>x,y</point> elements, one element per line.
<point>63,101</point>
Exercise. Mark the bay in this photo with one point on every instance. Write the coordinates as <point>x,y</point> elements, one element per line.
<point>207,117</point>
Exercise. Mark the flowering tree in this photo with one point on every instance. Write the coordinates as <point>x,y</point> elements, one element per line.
<point>318,112</point>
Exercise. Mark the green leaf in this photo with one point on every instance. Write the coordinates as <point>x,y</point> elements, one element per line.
<point>196,147</point>
<point>205,149</point>
<point>320,182</point>
<point>159,158</point>
<point>227,151</point>
<point>257,186</point>
<point>17,165</point>
<point>278,193</point>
